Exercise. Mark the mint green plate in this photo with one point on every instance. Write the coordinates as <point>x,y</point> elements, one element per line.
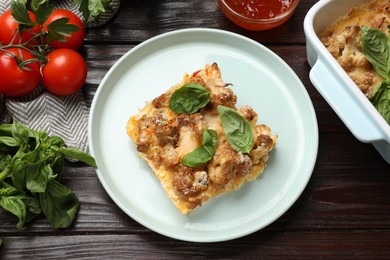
<point>260,79</point>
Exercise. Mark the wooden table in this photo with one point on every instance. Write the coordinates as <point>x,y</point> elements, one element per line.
<point>344,212</point>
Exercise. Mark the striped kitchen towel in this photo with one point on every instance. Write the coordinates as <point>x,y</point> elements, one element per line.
<point>66,117</point>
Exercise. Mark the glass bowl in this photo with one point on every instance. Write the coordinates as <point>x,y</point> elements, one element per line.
<point>248,14</point>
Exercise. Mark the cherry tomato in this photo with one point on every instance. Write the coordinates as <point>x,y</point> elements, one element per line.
<point>8,28</point>
<point>76,39</point>
<point>65,72</point>
<point>16,79</point>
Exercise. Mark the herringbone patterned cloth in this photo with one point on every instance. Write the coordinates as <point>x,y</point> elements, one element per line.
<point>66,117</point>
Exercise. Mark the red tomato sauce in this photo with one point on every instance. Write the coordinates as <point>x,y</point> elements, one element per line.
<point>259,9</point>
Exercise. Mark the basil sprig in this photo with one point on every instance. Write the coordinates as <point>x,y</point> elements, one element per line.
<point>376,48</point>
<point>189,99</point>
<point>30,166</point>
<point>237,129</point>
<point>203,153</point>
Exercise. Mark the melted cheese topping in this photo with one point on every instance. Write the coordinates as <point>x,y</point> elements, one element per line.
<point>342,39</point>
<point>164,138</point>
<point>188,141</point>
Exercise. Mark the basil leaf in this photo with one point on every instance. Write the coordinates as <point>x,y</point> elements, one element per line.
<point>197,157</point>
<point>34,209</point>
<point>37,177</point>
<point>9,141</point>
<point>59,204</point>
<point>55,140</point>
<point>6,129</point>
<point>97,7</point>
<point>93,8</point>
<point>78,155</point>
<point>20,133</point>
<point>210,140</point>
<point>203,153</point>
<point>381,100</point>
<point>7,190</point>
<point>237,129</point>
<point>57,165</point>
<point>376,48</point>
<point>19,174</point>
<point>189,99</point>
<point>15,205</point>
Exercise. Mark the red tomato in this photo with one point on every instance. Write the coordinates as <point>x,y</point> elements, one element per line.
<point>14,80</point>
<point>8,28</point>
<point>195,73</point>
<point>76,39</point>
<point>65,72</point>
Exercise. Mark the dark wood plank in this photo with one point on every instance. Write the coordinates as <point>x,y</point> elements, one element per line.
<point>344,212</point>
<point>345,195</point>
<point>140,20</point>
<point>262,245</point>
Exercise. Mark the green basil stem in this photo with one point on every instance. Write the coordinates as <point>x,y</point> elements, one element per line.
<point>4,174</point>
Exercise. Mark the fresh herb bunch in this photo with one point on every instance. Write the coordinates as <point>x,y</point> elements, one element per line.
<point>376,48</point>
<point>91,9</point>
<point>30,168</point>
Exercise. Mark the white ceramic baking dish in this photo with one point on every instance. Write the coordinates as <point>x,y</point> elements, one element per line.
<point>334,84</point>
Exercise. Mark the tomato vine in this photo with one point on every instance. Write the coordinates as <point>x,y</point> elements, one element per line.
<point>38,31</point>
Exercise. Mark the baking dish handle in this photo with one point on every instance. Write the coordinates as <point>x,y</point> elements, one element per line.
<point>359,123</point>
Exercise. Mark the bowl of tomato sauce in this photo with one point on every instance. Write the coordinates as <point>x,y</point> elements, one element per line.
<point>258,15</point>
